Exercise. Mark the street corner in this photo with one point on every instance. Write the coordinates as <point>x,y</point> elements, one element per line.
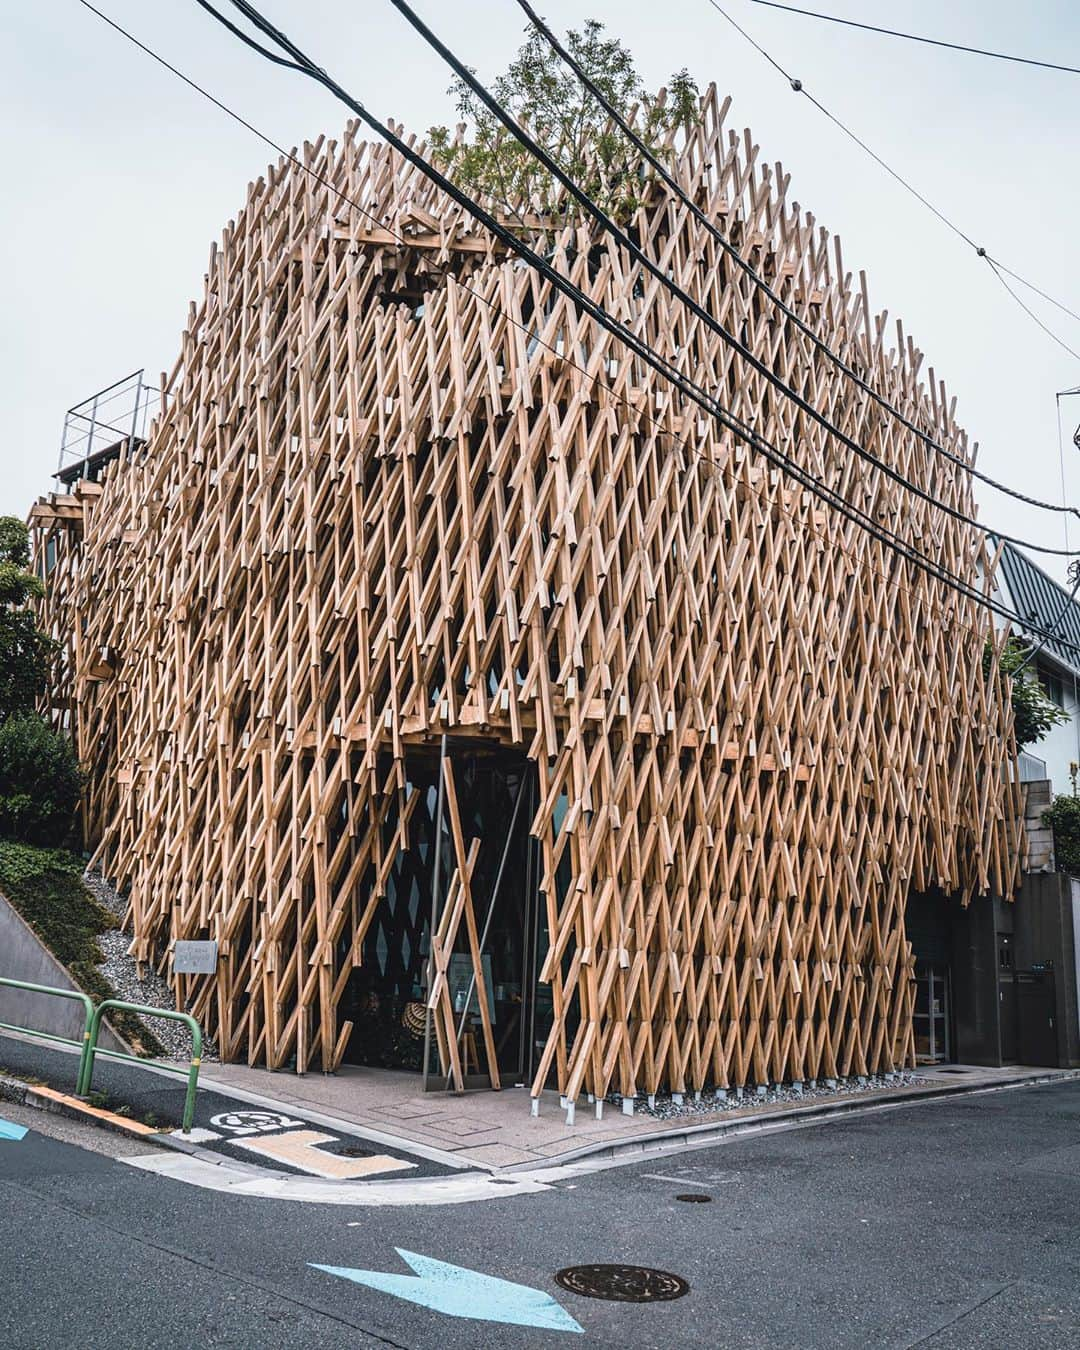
<point>282,1155</point>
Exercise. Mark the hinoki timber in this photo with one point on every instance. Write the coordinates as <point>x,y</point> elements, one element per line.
<point>399,488</point>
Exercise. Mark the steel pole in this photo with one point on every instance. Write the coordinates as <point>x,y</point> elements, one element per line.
<point>436,877</point>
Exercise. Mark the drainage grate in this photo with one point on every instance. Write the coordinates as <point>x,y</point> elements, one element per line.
<point>695,1198</point>
<point>622,1284</point>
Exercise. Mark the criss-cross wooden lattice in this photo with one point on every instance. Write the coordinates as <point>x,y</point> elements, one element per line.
<point>402,489</point>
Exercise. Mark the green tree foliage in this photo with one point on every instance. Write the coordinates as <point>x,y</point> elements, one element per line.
<point>1033,712</point>
<point>1064,819</point>
<point>45,885</point>
<point>559,113</point>
<point>40,781</point>
<point>25,651</point>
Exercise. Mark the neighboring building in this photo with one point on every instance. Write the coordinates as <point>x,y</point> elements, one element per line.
<point>996,983</point>
<point>1043,603</point>
<point>416,563</point>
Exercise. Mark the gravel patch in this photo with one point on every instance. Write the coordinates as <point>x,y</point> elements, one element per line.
<point>664,1107</point>
<point>122,973</point>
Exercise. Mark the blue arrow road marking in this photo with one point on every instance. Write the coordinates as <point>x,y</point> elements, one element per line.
<point>9,1130</point>
<point>458,1292</point>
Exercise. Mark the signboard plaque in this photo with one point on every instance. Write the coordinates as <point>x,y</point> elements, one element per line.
<point>194,958</point>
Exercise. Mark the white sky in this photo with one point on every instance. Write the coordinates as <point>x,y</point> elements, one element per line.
<point>118,177</point>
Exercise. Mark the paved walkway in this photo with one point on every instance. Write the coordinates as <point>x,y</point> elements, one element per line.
<point>495,1129</point>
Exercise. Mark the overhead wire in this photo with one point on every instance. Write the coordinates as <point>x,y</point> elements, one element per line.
<point>540,153</point>
<point>799,88</point>
<point>598,314</point>
<point>918,37</point>
<point>844,509</point>
<point>748,270</point>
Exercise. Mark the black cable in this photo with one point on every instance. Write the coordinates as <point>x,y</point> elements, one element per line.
<point>799,88</point>
<point>916,37</point>
<point>997,271</point>
<point>624,240</point>
<point>843,509</point>
<point>245,37</point>
<point>842,506</point>
<point>748,269</point>
<point>1032,287</point>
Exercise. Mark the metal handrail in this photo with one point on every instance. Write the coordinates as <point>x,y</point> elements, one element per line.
<point>89,1049</point>
<point>87,1078</point>
<point>77,996</point>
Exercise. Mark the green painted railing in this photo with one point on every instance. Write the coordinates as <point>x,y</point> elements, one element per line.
<point>86,1081</point>
<point>89,1048</point>
<point>75,994</point>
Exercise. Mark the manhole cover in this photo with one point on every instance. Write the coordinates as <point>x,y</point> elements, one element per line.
<point>622,1284</point>
<point>694,1198</point>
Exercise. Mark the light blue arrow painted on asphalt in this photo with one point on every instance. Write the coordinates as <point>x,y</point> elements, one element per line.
<point>9,1130</point>
<point>458,1292</point>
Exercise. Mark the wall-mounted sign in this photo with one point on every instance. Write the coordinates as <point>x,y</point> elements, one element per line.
<point>194,958</point>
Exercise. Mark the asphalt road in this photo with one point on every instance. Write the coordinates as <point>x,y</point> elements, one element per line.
<point>159,1099</point>
<point>948,1225</point>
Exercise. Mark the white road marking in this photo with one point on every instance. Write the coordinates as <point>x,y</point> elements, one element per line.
<point>239,1179</point>
<point>196,1135</point>
<point>254,1122</point>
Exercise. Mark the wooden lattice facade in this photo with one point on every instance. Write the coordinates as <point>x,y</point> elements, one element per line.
<point>379,508</point>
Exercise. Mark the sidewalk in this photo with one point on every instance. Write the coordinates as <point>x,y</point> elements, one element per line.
<point>495,1129</point>
<point>441,1133</point>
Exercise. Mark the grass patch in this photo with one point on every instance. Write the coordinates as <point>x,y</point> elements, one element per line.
<point>45,885</point>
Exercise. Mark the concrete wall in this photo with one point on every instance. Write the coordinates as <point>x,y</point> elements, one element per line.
<point>23,956</point>
<point>1040,838</point>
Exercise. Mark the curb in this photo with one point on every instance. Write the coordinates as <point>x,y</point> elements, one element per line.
<point>43,1098</point>
<point>697,1136</point>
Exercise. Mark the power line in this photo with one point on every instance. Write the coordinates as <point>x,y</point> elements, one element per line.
<point>624,240</point>
<point>1052,634</point>
<point>843,508</point>
<point>799,88</point>
<point>998,272</point>
<point>917,37</point>
<point>601,317</point>
<point>747,268</point>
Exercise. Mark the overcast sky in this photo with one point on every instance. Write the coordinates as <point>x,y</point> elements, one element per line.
<point>118,177</point>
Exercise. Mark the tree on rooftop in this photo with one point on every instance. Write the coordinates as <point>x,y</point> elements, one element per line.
<point>549,100</point>
<point>25,650</point>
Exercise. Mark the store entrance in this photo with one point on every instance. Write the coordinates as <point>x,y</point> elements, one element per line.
<point>472,864</point>
<point>933,1014</point>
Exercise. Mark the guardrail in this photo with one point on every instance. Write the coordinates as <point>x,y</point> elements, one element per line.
<point>89,1048</point>
<point>86,1081</point>
<point>74,994</point>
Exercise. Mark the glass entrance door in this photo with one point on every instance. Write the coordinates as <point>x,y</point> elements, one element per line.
<point>933,1023</point>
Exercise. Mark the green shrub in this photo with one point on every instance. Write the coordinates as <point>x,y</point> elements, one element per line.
<point>40,781</point>
<point>1063,818</point>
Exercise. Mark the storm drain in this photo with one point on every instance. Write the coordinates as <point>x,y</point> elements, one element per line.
<point>694,1198</point>
<point>622,1284</point>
